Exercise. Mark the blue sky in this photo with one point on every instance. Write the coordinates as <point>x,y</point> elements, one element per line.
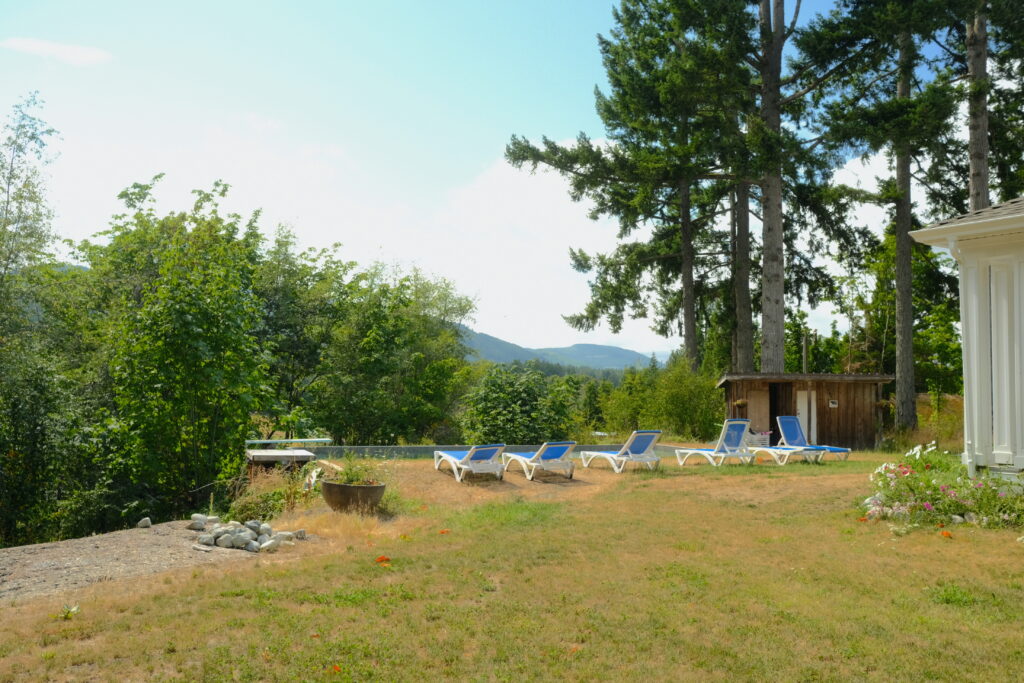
<point>378,125</point>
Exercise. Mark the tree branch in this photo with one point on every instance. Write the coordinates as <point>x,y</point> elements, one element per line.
<point>822,78</point>
<point>792,24</point>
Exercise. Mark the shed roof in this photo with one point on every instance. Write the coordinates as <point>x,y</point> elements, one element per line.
<point>805,377</point>
<point>1007,217</point>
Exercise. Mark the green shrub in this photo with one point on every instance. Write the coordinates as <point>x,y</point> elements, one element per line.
<point>359,471</point>
<point>268,494</point>
<point>517,406</point>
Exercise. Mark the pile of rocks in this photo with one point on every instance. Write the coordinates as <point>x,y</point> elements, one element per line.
<point>254,535</point>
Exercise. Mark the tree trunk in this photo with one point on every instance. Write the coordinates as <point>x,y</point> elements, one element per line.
<point>687,257</point>
<point>906,408</point>
<point>743,342</point>
<point>977,109</point>
<point>773,307</point>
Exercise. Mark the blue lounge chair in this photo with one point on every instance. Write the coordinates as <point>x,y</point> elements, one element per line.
<point>553,456</point>
<point>793,435</point>
<point>731,444</point>
<point>478,459</point>
<point>639,447</point>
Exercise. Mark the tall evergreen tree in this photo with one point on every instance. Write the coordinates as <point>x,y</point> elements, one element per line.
<point>673,119</point>
<point>883,104</point>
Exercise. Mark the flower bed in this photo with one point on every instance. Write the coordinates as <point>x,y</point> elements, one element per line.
<point>929,485</point>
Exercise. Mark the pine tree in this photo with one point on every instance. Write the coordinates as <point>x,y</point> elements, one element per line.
<point>673,117</point>
<point>881,104</point>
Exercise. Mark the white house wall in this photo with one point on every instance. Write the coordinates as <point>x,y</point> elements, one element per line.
<point>974,290</point>
<point>1004,359</point>
<point>992,318</point>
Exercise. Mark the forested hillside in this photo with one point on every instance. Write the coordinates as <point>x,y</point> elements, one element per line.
<point>597,356</point>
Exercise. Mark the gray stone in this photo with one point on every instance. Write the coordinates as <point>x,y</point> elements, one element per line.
<point>219,531</point>
<point>206,539</point>
<point>234,523</point>
<point>199,518</point>
<point>956,519</point>
<point>213,520</point>
<point>263,538</point>
<point>240,541</point>
<point>254,525</point>
<point>270,546</point>
<point>971,518</point>
<point>225,541</point>
<point>252,547</point>
<point>265,530</point>
<point>284,535</point>
<point>196,525</point>
<point>204,548</point>
<point>300,534</point>
<point>144,523</point>
<point>247,534</point>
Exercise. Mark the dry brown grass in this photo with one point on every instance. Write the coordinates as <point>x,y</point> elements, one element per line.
<point>688,573</point>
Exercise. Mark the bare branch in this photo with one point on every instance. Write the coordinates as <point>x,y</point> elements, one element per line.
<point>792,24</point>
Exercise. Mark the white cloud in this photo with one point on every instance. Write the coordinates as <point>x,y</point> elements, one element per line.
<point>75,55</point>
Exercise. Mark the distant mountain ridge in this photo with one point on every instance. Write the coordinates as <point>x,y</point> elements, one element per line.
<point>597,356</point>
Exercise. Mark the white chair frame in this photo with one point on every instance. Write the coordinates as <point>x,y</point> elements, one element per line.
<point>722,450</point>
<point>461,465</point>
<point>625,455</point>
<point>531,462</point>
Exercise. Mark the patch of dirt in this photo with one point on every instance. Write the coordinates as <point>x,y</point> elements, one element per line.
<point>45,568</point>
<point>417,479</point>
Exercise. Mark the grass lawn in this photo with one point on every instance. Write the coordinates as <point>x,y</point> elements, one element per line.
<point>685,573</point>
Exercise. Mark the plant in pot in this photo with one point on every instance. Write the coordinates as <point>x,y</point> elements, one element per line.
<point>356,485</point>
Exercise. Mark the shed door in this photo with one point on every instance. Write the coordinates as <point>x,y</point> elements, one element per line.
<point>757,410</point>
<point>807,414</point>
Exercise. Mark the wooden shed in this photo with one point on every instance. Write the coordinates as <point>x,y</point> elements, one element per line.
<point>837,410</point>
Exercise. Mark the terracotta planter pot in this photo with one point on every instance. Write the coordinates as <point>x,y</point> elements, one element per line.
<point>344,497</point>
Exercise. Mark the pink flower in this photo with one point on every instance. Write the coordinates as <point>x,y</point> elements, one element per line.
<point>928,506</point>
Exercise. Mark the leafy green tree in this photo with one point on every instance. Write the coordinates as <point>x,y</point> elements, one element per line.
<point>303,297</point>
<point>24,214</point>
<point>684,402</point>
<point>188,369</point>
<point>624,406</point>
<point>34,408</point>
<point>590,404</point>
<point>392,367</point>
<point>517,406</point>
